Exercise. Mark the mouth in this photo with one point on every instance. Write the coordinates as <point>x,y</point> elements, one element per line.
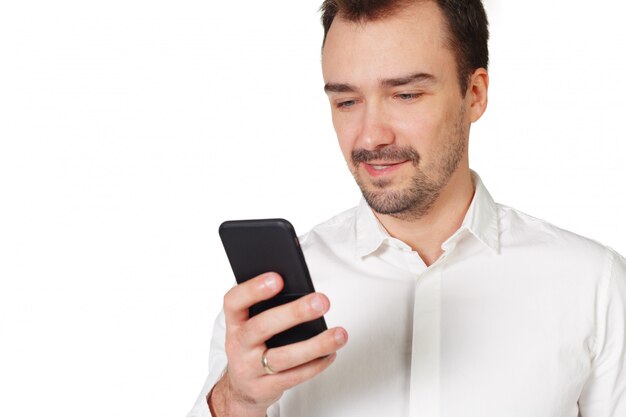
<point>376,168</point>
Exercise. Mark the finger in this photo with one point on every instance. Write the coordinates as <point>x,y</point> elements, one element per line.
<point>275,320</point>
<point>238,300</point>
<point>295,376</point>
<point>290,356</point>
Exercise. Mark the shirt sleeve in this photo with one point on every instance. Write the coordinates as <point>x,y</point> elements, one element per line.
<point>604,393</point>
<point>217,365</point>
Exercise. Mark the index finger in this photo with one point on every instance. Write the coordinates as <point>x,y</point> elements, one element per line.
<point>240,298</point>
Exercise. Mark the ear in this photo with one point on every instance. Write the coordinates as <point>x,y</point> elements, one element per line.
<point>477,93</point>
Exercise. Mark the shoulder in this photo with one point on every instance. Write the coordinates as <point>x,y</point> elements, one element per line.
<point>546,240</point>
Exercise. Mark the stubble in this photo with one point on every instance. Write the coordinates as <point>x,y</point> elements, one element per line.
<point>416,200</point>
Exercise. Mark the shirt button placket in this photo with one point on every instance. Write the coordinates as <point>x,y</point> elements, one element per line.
<point>425,356</point>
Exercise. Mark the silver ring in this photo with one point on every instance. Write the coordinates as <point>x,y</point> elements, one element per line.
<point>266,365</point>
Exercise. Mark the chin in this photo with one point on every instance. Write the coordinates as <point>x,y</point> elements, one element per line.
<point>411,201</point>
<point>387,200</point>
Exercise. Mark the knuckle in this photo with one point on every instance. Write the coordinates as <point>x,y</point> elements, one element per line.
<point>304,310</point>
<point>231,346</point>
<point>228,301</point>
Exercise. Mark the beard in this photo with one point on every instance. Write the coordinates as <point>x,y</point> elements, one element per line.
<point>414,201</point>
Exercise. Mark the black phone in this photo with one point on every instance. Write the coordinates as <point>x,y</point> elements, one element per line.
<point>258,246</point>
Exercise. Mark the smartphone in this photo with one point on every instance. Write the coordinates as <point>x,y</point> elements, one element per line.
<point>254,247</point>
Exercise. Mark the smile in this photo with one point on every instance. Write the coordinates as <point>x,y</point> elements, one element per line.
<point>378,168</point>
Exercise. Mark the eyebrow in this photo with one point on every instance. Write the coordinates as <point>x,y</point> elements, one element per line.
<point>420,77</point>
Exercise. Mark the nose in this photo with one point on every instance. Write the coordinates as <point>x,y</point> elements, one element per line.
<point>376,130</point>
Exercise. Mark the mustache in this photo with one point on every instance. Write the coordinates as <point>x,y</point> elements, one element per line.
<point>390,153</point>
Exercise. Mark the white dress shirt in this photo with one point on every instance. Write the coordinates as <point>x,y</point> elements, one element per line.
<point>517,318</point>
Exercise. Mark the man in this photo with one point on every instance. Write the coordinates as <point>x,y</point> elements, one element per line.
<point>454,305</point>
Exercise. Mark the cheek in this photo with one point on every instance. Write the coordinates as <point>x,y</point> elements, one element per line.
<point>417,127</point>
<point>444,136</point>
<point>426,129</point>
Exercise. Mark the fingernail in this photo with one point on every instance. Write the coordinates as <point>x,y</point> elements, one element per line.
<point>317,304</point>
<point>340,337</point>
<point>332,357</point>
<point>271,282</point>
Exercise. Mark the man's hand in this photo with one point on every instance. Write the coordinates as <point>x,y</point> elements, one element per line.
<point>246,390</point>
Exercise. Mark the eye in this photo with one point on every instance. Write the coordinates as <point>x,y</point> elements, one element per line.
<point>408,96</point>
<point>345,104</point>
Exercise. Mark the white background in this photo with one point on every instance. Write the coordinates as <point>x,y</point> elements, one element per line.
<point>130,129</point>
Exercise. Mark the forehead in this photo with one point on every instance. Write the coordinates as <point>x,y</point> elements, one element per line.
<point>411,40</point>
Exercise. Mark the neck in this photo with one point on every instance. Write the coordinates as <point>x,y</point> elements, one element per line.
<point>426,234</point>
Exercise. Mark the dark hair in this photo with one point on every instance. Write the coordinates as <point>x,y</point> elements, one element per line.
<point>466,20</point>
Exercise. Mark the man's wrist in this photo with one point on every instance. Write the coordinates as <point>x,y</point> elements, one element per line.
<point>222,404</point>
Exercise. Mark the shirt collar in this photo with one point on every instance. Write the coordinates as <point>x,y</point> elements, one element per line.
<point>370,234</point>
<point>481,220</point>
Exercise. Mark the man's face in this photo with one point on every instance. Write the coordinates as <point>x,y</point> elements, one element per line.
<point>400,117</point>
